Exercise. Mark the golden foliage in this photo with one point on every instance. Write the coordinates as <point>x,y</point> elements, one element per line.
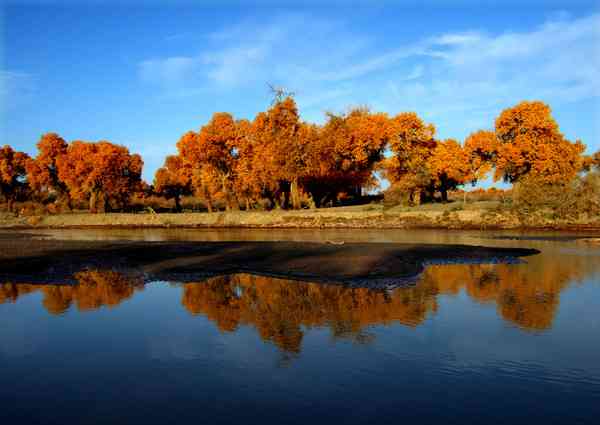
<point>279,160</point>
<point>42,172</point>
<point>12,174</point>
<point>530,143</point>
<point>100,171</point>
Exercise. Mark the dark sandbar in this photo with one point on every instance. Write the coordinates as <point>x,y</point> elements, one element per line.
<point>26,260</point>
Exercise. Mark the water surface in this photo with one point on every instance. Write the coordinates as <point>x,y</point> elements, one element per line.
<point>495,343</point>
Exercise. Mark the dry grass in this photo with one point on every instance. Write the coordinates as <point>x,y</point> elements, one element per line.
<point>454,215</point>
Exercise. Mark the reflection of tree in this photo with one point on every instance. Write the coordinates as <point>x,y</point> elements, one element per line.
<point>10,292</point>
<point>281,310</point>
<point>94,289</point>
<point>278,308</point>
<point>525,295</point>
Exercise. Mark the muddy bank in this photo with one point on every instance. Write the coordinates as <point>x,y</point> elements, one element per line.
<point>28,260</point>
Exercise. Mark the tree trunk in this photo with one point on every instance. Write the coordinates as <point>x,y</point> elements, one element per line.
<point>327,198</point>
<point>247,204</point>
<point>235,203</point>
<point>416,197</point>
<point>105,204</point>
<point>225,190</point>
<point>444,193</point>
<point>209,204</point>
<point>295,194</point>
<point>177,203</point>
<point>93,200</point>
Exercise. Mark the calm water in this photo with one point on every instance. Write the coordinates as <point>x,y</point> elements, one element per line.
<point>516,343</point>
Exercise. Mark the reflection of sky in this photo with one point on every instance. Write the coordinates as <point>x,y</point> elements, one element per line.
<point>22,333</point>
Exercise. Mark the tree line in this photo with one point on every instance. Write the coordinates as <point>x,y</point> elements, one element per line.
<point>278,160</point>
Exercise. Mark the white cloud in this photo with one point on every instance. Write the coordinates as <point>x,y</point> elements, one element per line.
<point>471,78</point>
<point>458,77</point>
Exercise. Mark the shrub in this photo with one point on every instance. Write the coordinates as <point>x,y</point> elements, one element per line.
<point>395,195</point>
<point>30,208</point>
<point>576,199</point>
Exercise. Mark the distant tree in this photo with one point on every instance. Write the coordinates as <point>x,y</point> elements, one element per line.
<point>100,172</point>
<point>13,174</point>
<point>216,151</point>
<point>42,172</point>
<point>482,148</point>
<point>412,146</point>
<point>246,184</point>
<point>345,151</point>
<point>206,184</point>
<point>449,167</point>
<point>173,180</point>
<point>203,178</point>
<point>279,154</point>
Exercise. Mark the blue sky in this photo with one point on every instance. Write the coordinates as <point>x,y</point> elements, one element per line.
<point>142,73</point>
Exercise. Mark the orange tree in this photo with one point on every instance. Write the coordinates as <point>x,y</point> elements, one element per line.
<point>261,175</point>
<point>279,154</point>
<point>412,146</point>
<point>530,143</point>
<point>201,178</point>
<point>205,181</point>
<point>449,167</point>
<point>247,184</point>
<point>216,151</point>
<point>100,172</point>
<point>13,175</point>
<point>173,180</point>
<point>481,147</point>
<point>42,172</point>
<point>344,152</point>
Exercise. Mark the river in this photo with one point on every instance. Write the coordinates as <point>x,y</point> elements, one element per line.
<point>467,343</point>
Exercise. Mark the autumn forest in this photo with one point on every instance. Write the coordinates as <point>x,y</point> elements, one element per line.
<point>279,161</point>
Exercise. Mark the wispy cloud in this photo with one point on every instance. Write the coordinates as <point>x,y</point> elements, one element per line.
<point>456,39</point>
<point>462,76</point>
<point>15,87</point>
<point>168,71</point>
<point>478,73</point>
<point>235,65</point>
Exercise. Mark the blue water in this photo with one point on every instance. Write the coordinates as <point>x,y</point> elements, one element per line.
<point>522,346</point>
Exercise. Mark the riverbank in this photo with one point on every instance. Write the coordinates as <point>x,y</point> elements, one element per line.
<point>444,216</point>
